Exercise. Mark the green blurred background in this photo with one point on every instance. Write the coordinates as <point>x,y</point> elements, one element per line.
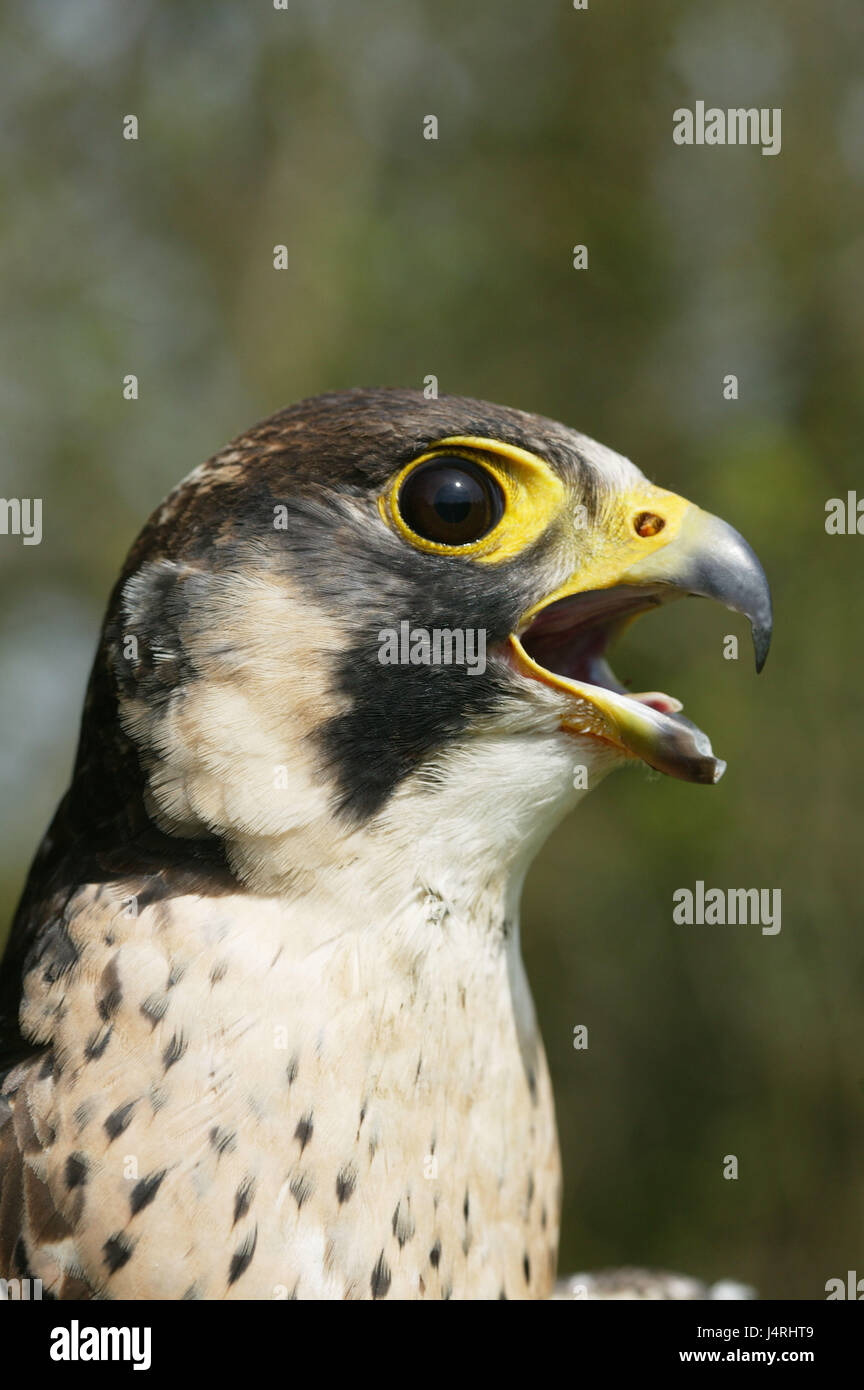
<point>409,257</point>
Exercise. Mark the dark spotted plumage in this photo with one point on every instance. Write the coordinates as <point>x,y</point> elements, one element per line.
<point>174,1051</point>
<point>144,1191</point>
<point>119,1119</point>
<point>97,1043</point>
<point>76,1170</point>
<point>242,1257</point>
<point>381,1277</point>
<point>302,1187</point>
<point>304,1131</point>
<point>243,1198</point>
<point>117,1251</point>
<point>223,1140</point>
<point>346,1182</point>
<point>155,1007</point>
<point>110,992</point>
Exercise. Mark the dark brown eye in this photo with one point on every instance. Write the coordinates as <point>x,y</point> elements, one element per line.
<point>451,501</point>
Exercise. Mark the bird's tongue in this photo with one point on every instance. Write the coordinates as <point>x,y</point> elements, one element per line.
<point>655,699</point>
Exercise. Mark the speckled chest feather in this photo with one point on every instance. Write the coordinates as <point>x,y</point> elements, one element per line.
<point>240,1109</point>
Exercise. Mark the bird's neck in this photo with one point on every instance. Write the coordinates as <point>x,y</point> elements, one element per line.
<point>462,838</point>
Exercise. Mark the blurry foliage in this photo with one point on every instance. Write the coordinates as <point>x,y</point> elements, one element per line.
<point>410,257</point>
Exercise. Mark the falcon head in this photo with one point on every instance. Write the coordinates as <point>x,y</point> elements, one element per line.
<point>269,678</point>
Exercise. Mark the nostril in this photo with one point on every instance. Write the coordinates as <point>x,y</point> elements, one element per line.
<point>648,524</point>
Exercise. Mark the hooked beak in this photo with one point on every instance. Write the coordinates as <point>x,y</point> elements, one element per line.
<point>659,548</point>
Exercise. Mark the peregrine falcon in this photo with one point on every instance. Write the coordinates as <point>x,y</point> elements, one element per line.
<point>266,1028</point>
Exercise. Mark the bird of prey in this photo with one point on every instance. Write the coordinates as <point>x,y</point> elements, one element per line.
<point>267,1029</point>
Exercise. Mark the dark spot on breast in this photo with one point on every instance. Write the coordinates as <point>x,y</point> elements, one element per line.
<point>117,1251</point>
<point>242,1257</point>
<point>532,1086</point>
<point>303,1132</point>
<point>466,1206</point>
<point>291,1070</point>
<point>82,1115</point>
<point>110,994</point>
<point>435,1255</point>
<point>76,1171</point>
<point>191,1295</point>
<point>502,1296</point>
<point>54,947</point>
<point>403,1221</point>
<point>175,974</point>
<point>243,1198</point>
<point>346,1181</point>
<point>223,1140</point>
<point>47,1067</point>
<point>219,971</point>
<point>301,1188</point>
<point>174,1051</point>
<point>155,1007</point>
<point>158,1097</point>
<point>119,1119</point>
<point>380,1280</point>
<point>97,1043</point>
<point>144,1191</point>
<point>543,1218</point>
<point>526,1268</point>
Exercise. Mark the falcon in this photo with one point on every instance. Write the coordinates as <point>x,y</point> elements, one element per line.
<point>266,1026</point>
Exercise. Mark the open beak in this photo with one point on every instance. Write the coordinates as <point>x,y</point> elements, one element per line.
<point>659,547</point>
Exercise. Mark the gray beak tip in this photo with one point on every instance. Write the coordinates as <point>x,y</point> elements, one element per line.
<point>727,570</point>
<point>761,644</point>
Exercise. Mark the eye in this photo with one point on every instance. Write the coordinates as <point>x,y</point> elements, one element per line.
<point>451,501</point>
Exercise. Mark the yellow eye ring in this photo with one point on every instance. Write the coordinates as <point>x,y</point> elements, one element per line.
<point>532,496</point>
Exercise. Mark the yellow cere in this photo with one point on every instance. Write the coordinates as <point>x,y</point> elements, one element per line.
<point>615,554</point>
<point>534,495</point>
